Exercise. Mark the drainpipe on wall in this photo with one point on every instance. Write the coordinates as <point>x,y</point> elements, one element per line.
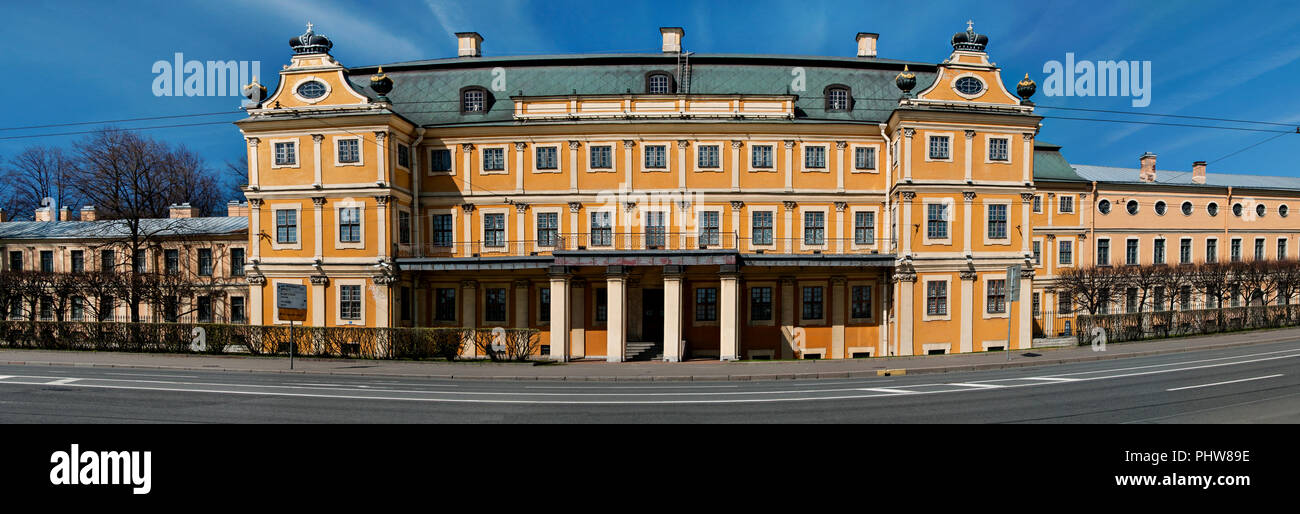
<point>1228,205</point>
<point>1092,223</point>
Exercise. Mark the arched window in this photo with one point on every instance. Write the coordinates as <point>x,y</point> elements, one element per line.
<point>474,100</point>
<point>659,83</point>
<point>838,99</point>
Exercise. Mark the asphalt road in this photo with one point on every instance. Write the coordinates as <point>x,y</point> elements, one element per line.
<point>1254,383</point>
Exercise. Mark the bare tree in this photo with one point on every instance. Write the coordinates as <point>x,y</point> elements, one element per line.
<point>36,173</point>
<point>1092,288</point>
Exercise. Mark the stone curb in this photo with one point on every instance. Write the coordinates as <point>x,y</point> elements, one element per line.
<point>686,378</point>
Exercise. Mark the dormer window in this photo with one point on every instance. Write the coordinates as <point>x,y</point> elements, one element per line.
<point>659,83</point>
<point>473,100</point>
<point>838,99</point>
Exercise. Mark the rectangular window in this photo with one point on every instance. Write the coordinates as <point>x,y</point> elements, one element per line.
<point>204,308</point>
<point>861,306</point>
<point>864,158</point>
<point>1131,252</point>
<point>1158,298</point>
<point>106,305</point>
<point>1065,253</point>
<point>761,227</point>
<point>864,228</point>
<point>814,228</point>
<point>814,157</point>
<point>139,262</point>
<point>1158,251</point>
<point>760,156</point>
<point>350,225</point>
<point>1063,305</point>
<point>107,260</point>
<point>1211,250</point>
<point>548,228</point>
<point>1036,308</point>
<point>1103,252</point>
<point>602,231</point>
<point>936,221</point>
<point>1038,203</point>
<point>1038,253</point>
<point>405,299</point>
<point>444,304</point>
<point>78,308</point>
<point>602,305</point>
<point>998,149</point>
<point>939,147</point>
<point>286,154</point>
<point>494,229</point>
<point>706,304</point>
<point>349,151</point>
<point>403,227</point>
<point>1184,251</point>
<point>47,261</point>
<point>1259,248</point>
<point>171,262</point>
<point>893,154</point>
<point>760,303</point>
<point>171,309</point>
<point>205,262</point>
<point>494,159</point>
<point>602,157</point>
<point>1281,249</point>
<point>710,228</point>
<point>79,261</point>
<point>707,156</point>
<point>350,302</point>
<point>547,158</point>
<point>812,302</point>
<point>936,298</point>
<point>404,156</point>
<point>997,296</point>
<point>655,231</point>
<point>286,226</point>
<point>237,311</point>
<point>997,221</point>
<point>1067,204</point>
<point>1236,250</point>
<point>16,260</point>
<point>442,230</point>
<point>1131,300</point>
<point>656,157</point>
<point>440,159</point>
<point>544,305</point>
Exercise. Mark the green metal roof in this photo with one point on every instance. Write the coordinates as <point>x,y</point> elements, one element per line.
<point>1050,165</point>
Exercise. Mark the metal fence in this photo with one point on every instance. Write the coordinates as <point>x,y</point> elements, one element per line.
<point>216,338</point>
<point>1167,323</point>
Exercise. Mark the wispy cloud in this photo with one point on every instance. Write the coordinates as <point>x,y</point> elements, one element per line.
<point>345,23</point>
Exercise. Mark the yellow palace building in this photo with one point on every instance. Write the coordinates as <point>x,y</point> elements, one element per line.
<point>679,205</point>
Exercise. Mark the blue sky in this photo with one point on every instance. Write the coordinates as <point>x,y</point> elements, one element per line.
<point>88,61</point>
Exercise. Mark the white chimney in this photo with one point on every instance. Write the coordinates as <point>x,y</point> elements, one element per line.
<point>867,44</point>
<point>672,39</point>
<point>1198,172</point>
<point>1148,172</point>
<point>469,44</point>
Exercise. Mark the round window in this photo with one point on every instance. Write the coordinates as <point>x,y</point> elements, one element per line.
<point>311,89</point>
<point>1260,210</point>
<point>1187,208</point>
<point>1104,206</point>
<point>1282,210</point>
<point>1212,208</point>
<point>1236,209</point>
<point>969,86</point>
<point>1132,206</point>
<point>1160,208</point>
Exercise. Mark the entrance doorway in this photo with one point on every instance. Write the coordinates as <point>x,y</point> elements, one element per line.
<point>652,315</point>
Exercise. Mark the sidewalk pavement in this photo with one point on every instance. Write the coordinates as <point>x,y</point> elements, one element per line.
<point>643,371</point>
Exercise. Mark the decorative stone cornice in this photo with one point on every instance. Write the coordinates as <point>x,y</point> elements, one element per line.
<point>905,277</point>
<point>380,135</point>
<point>253,141</point>
<point>969,274</point>
<point>383,200</point>
<point>256,279</point>
<point>1026,197</point>
<point>255,203</point>
<point>1028,136</point>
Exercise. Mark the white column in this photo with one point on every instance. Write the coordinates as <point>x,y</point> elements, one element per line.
<point>469,314</point>
<point>559,324</point>
<point>381,224</point>
<point>521,237</point>
<point>255,228</point>
<point>837,317</point>
<point>318,211</point>
<point>616,296</point>
<point>787,348</point>
<point>907,154</point>
<point>1026,236</point>
<point>729,313</point>
<point>1026,310</point>
<point>467,171</point>
<point>519,166</point>
<point>673,313</point>
<point>629,147</point>
<point>839,180</point>
<point>574,226</point>
<point>839,226</point>
<point>735,165</point>
<point>316,140</point>
<point>463,243</point>
<point>682,146</point>
<point>906,283</point>
<point>787,240</point>
<point>578,319</point>
<point>970,144</point>
<point>1027,157</point>
<point>573,166</point>
<point>968,199</point>
<point>736,206</point>
<point>789,165</point>
<point>253,176</point>
<point>381,173</point>
<point>967,311</point>
<point>905,224</point>
<point>256,288</point>
<point>318,304</point>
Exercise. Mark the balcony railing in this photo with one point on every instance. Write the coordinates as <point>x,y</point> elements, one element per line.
<point>621,241</point>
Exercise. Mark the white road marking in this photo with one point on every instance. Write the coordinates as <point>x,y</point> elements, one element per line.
<point>1053,379</point>
<point>977,385</point>
<point>151,375</point>
<point>1223,383</point>
<point>883,390</point>
<point>62,381</point>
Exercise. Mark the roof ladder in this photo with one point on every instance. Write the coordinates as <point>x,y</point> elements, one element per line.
<point>684,72</point>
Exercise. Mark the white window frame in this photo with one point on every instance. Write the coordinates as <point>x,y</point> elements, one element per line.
<point>749,227</point>
<point>749,156</point>
<point>451,152</point>
<point>986,280</point>
<point>925,221</point>
<point>803,157</point>
<point>853,163</point>
<point>1110,252</point>
<point>776,305</point>
<point>1042,251</point>
<point>275,295</point>
<point>1217,248</point>
<point>361,154</point>
<point>827,307</point>
<point>339,205</point>
<point>275,244</point>
<point>506,240</point>
<point>1191,250</point>
<point>613,226</point>
<point>698,226</point>
<point>537,303</point>
<point>875,299</point>
<point>952,145</point>
<point>716,286</point>
<point>1060,204</point>
<point>988,149</point>
<point>1074,252</point>
<point>338,284</point>
<point>559,224</point>
<point>410,155</point>
<point>297,153</point>
<point>827,224</point>
<point>643,150</point>
<point>482,160</point>
<point>667,212</point>
<point>1036,204</point>
<point>559,159</point>
<point>853,228</point>
<point>695,156</point>
<point>1286,243</point>
<point>455,222</point>
<point>1137,251</point>
<point>310,78</point>
<point>509,307</point>
<point>925,281</point>
<point>1153,249</point>
<point>613,156</point>
<point>999,241</point>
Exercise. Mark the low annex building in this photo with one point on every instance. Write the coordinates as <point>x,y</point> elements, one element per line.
<point>683,205</point>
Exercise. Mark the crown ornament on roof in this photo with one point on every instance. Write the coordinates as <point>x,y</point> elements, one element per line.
<point>905,81</point>
<point>969,40</point>
<point>381,84</point>
<point>1025,89</point>
<point>310,43</point>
